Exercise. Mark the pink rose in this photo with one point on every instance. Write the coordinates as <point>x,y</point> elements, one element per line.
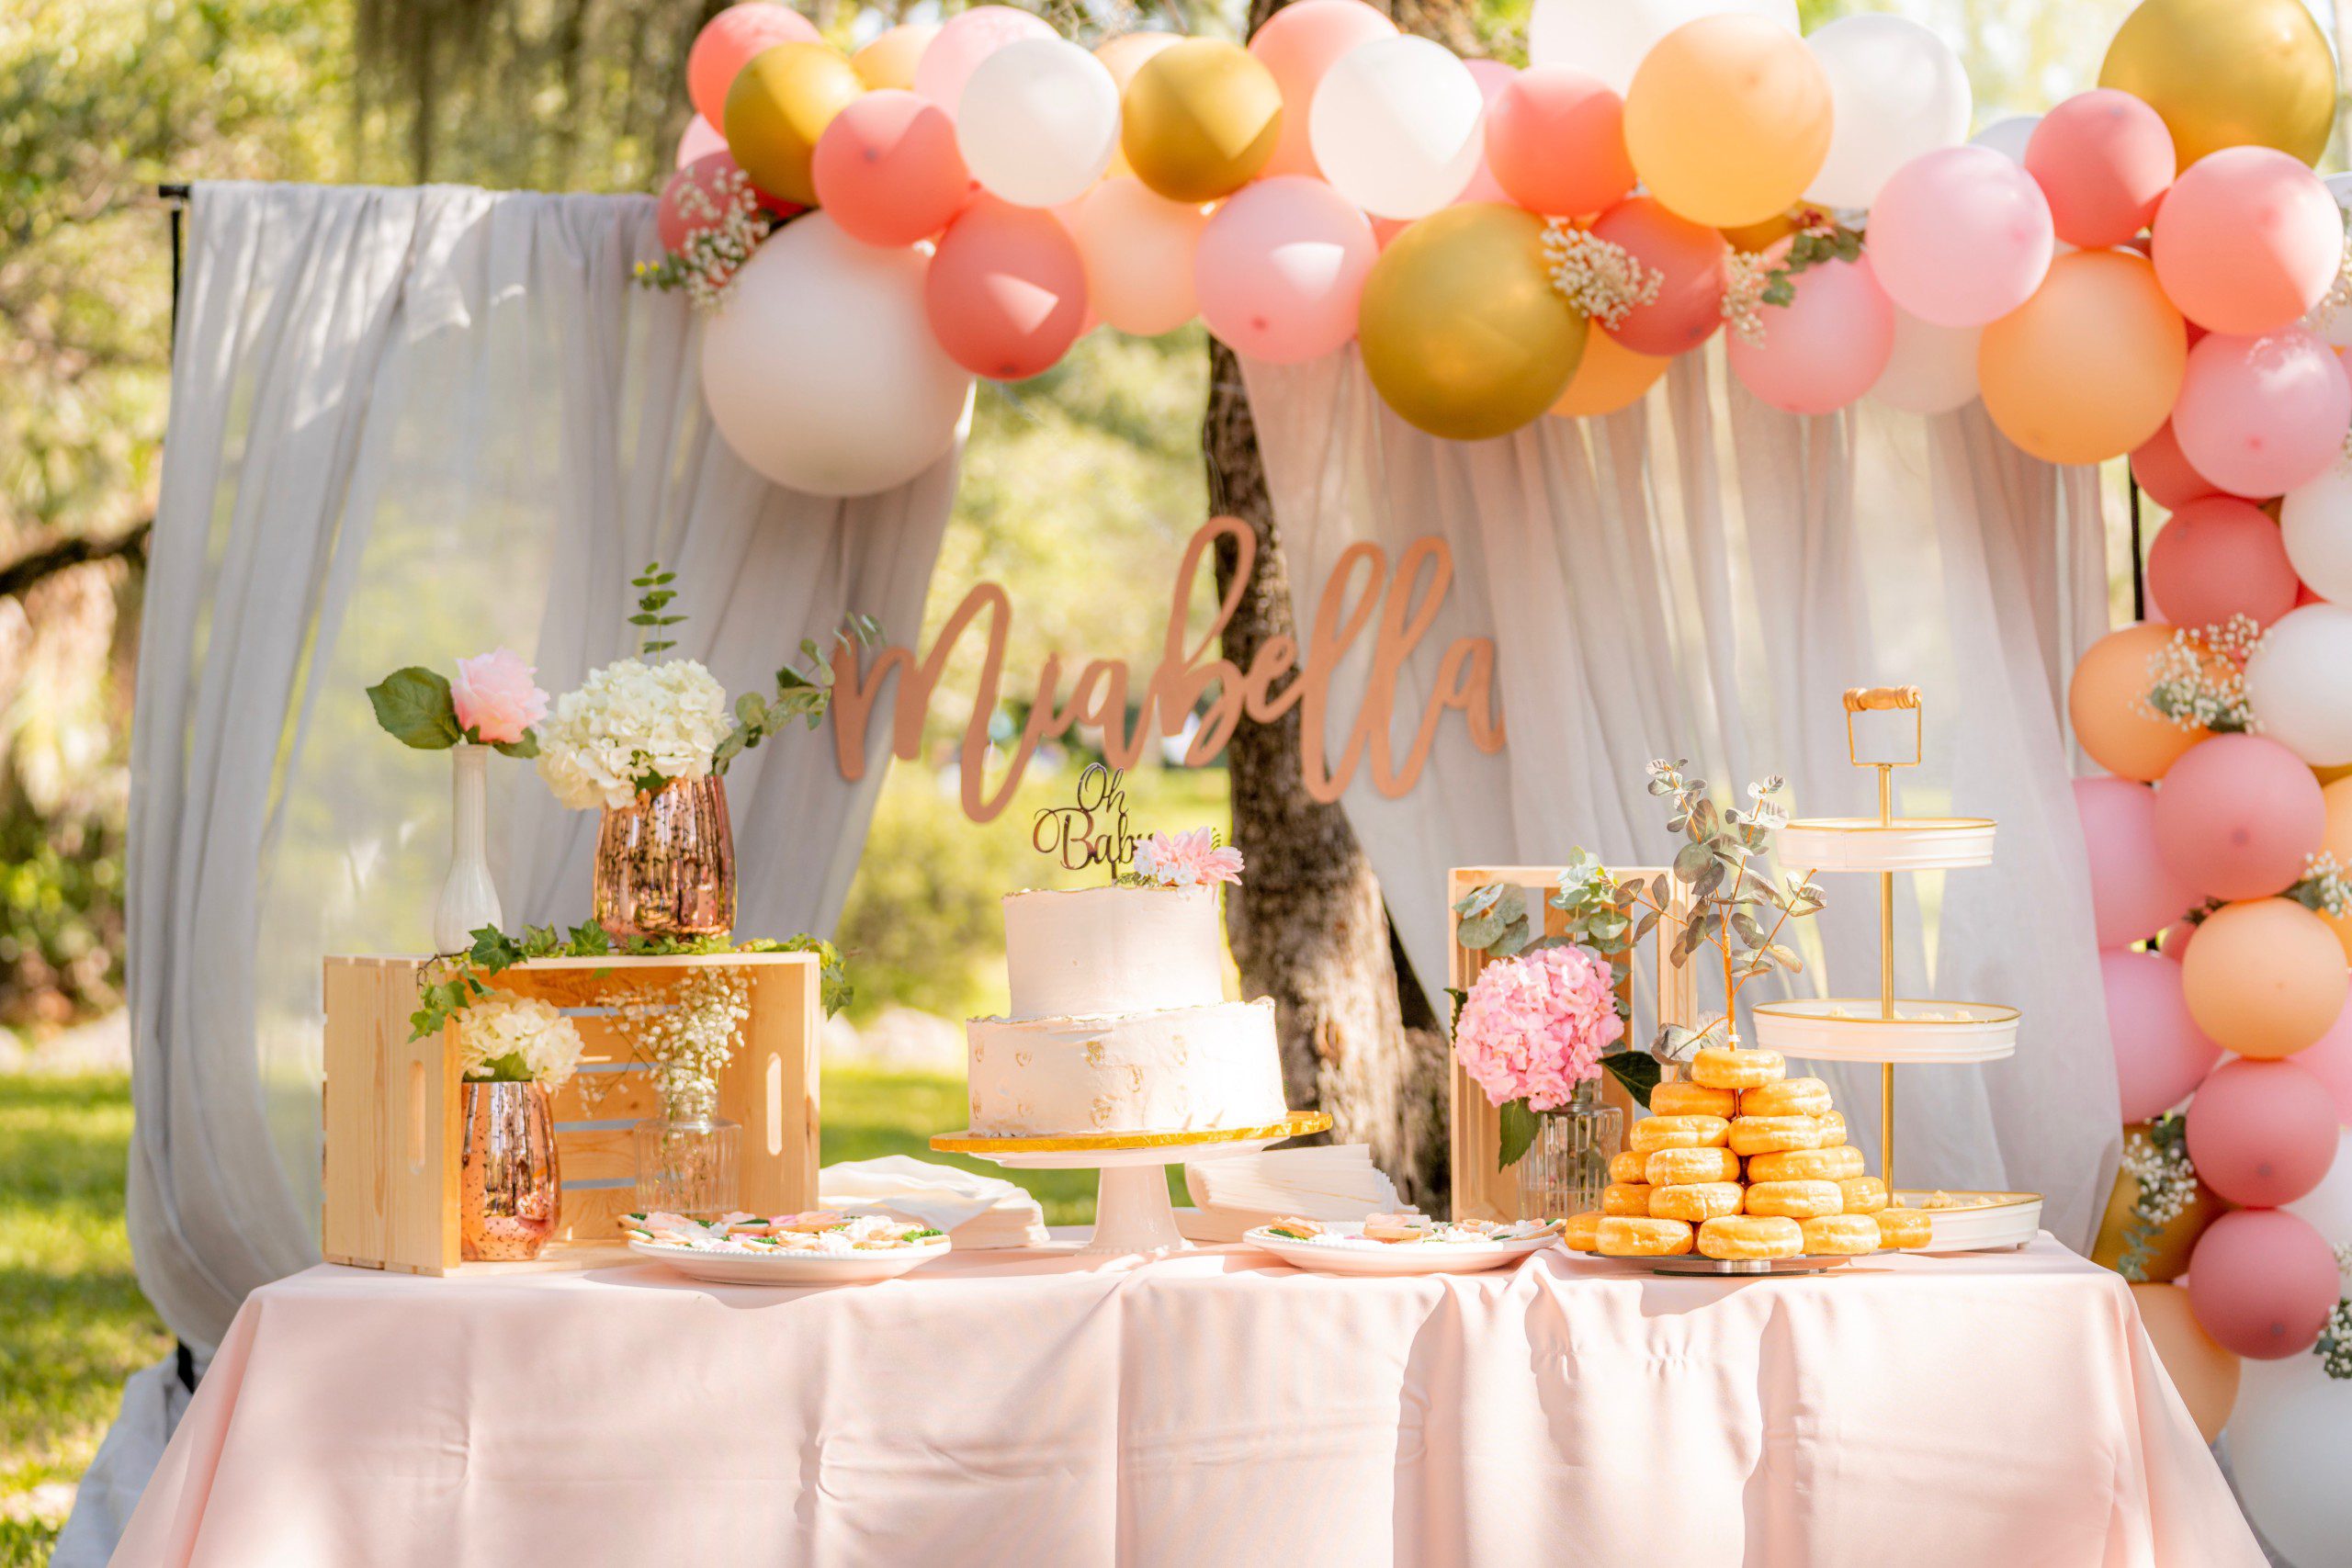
<point>495,696</point>
<point>1187,860</point>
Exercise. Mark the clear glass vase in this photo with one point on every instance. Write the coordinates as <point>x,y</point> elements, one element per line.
<point>1567,1165</point>
<point>665,864</point>
<point>688,1158</point>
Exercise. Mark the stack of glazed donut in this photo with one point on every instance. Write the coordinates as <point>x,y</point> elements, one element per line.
<point>1742,1161</point>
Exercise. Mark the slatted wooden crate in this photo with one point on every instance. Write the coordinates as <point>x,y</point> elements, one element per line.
<point>394,1107</point>
<point>1481,1190</point>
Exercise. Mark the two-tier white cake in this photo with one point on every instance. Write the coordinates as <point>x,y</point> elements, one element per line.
<point>1119,1023</point>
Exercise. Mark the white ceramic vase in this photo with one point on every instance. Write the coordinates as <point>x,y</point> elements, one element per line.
<point>469,900</point>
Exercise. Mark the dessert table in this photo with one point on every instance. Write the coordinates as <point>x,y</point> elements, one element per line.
<point>1211,1406</point>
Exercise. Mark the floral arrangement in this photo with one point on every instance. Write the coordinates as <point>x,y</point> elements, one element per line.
<point>723,223</point>
<point>687,1030</point>
<point>2165,1183</point>
<point>1532,1028</point>
<point>493,701</point>
<point>2198,680</point>
<point>1603,280</point>
<point>1185,860</point>
<point>2334,1347</point>
<point>506,1039</point>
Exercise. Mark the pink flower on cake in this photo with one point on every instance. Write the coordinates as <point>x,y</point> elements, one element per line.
<point>496,697</point>
<point>1187,860</point>
<point>1534,1027</point>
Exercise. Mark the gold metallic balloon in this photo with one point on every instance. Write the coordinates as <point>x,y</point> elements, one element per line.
<point>1200,117</point>
<point>1462,332</point>
<point>2168,1248</point>
<point>2227,73</point>
<point>781,102</point>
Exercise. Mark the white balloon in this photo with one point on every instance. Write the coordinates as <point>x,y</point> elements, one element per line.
<point>1038,121</point>
<point>1607,37</point>
<point>2316,524</point>
<point>822,372</point>
<point>2007,137</point>
<point>1933,370</point>
<point>2299,684</point>
<point>2328,1206</point>
<point>1398,125</point>
<point>2288,1437</point>
<point>2333,326</point>
<point>1895,90</point>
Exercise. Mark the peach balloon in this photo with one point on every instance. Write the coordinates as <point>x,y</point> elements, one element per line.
<point>2262,415</point>
<point>2134,894</point>
<point>1006,292</point>
<point>888,170</point>
<point>1556,141</point>
<point>1297,45</point>
<point>781,103</point>
<point>727,43</point>
<point>2104,704</point>
<point>1693,266</point>
<point>963,42</point>
<point>2264,978</point>
<point>1123,57</point>
<point>2217,558</point>
<point>2262,1282</point>
<point>1281,269</point>
<point>1727,119</point>
<point>2165,474</point>
<point>2262,1134</point>
<point>2247,240</point>
<point>1826,347</point>
<point>2205,1374</point>
<point>698,140</point>
<point>2237,816</point>
<point>890,60</point>
<point>1138,249</point>
<point>1609,377</point>
<point>1961,237</point>
<point>2103,160</point>
<point>2160,1053</point>
<point>2087,368</point>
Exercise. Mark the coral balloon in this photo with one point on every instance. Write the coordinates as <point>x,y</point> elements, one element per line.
<point>1202,118</point>
<point>1692,262</point>
<point>1281,269</point>
<point>1395,127</point>
<point>2087,368</point>
<point>1037,121</point>
<point>2247,241</point>
<point>1610,376</point>
<point>782,99</point>
<point>2315,528</point>
<point>2103,160</point>
<point>1728,119</point>
<point>697,142</point>
<point>2104,704</point>
<point>1823,349</point>
<point>963,42</point>
<point>2330,1061</point>
<point>2160,1053</point>
<point>2262,415</point>
<point>890,60</point>
<point>1899,92</point>
<point>2205,1374</point>
<point>2134,893</point>
<point>2163,471</point>
<point>2299,684</point>
<point>2262,1282</point>
<point>1127,54</point>
<point>1555,141</point>
<point>1611,38</point>
<point>888,169</point>
<point>1007,290</point>
<point>2237,816</point>
<point>727,43</point>
<point>2217,558</point>
<point>2264,978</point>
<point>2228,72</point>
<point>1931,370</point>
<point>1961,236</point>
<point>697,199</point>
<point>1460,330</point>
<point>1139,252</point>
<point>2262,1134</point>
<point>1298,44</point>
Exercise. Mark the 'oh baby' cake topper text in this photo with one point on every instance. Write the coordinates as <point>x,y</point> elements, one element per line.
<point>1093,831</point>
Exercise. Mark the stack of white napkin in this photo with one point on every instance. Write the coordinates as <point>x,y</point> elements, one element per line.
<point>975,1211</point>
<point>1335,1182</point>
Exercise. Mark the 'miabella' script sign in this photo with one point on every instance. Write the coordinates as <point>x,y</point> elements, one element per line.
<point>1360,585</point>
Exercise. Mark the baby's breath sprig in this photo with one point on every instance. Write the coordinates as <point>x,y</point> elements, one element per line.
<point>2165,1180</point>
<point>1600,278</point>
<point>687,1030</point>
<point>1747,278</point>
<point>2334,1347</point>
<point>2198,680</point>
<point>2325,889</point>
<point>726,224</point>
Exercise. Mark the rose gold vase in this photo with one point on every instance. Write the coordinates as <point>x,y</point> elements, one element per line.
<point>510,1189</point>
<point>665,864</point>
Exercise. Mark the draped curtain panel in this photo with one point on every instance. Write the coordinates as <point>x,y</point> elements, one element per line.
<point>1703,577</point>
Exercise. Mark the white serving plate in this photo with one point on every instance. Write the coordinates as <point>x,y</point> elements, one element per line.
<point>2013,1221</point>
<point>793,1268</point>
<point>1408,1257</point>
<point>1863,843</point>
<point>1848,1029</point>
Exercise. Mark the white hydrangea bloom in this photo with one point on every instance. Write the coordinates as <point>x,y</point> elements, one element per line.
<point>628,719</point>
<point>525,1028</point>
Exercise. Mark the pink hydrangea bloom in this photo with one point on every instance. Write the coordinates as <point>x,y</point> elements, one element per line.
<point>1535,1026</point>
<point>496,697</point>
<point>1187,860</point>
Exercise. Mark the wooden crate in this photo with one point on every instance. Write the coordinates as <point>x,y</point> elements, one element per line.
<point>394,1106</point>
<point>1481,1191</point>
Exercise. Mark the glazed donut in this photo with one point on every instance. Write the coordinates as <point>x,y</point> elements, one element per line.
<point>1625,1237</point>
<point>1677,1168</point>
<point>1789,1096</point>
<point>1625,1199</point>
<point>1905,1227</point>
<point>1579,1233</point>
<point>1693,1099</point>
<point>1833,1128</point>
<point>1795,1199</point>
<point>1864,1194</point>
<point>1772,1135</point>
<point>1843,1235</point>
<point>1748,1236</point>
<point>1631,1166</point>
<point>1720,1067</point>
<point>1653,1133</point>
<point>1807,1164</point>
<point>1696,1200</point>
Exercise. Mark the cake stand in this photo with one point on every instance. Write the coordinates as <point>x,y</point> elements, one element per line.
<point>1132,1212</point>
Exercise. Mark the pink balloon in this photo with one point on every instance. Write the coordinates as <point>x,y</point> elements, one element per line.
<point>969,37</point>
<point>677,217</point>
<point>1281,266</point>
<point>2134,894</point>
<point>2262,415</point>
<point>2262,1282</point>
<point>729,38</point>
<point>700,140</point>
<point>2103,158</point>
<point>2237,815</point>
<point>1826,347</point>
<point>1555,141</point>
<point>1693,267</point>
<point>1006,292</point>
<point>1492,76</point>
<point>2165,473</point>
<point>2247,240</point>
<point>2217,558</point>
<point>2262,1134</point>
<point>2329,1059</point>
<point>1139,249</point>
<point>2160,1053</point>
<point>887,168</point>
<point>1961,236</point>
<point>1297,45</point>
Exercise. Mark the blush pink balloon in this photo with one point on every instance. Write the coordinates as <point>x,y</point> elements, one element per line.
<point>2165,473</point>
<point>700,140</point>
<point>966,39</point>
<point>2237,816</point>
<point>2160,1053</point>
<point>2247,240</point>
<point>1692,262</point>
<point>887,168</point>
<point>2329,1059</point>
<point>2262,415</point>
<point>1492,76</point>
<point>1555,141</point>
<point>2262,1134</point>
<point>2217,557</point>
<point>729,38</point>
<point>677,219</point>
<point>1281,267</point>
<point>2262,1282</point>
<point>1006,291</point>
<point>1826,347</point>
<point>2134,894</point>
<point>1297,45</point>
<point>1961,236</point>
<point>2103,158</point>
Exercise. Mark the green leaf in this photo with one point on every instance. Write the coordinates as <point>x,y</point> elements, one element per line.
<point>1461,998</point>
<point>415,708</point>
<point>1691,860</point>
<point>1513,938</point>
<point>1519,1124</point>
<point>1637,1070</point>
<point>524,749</point>
<point>1480,931</point>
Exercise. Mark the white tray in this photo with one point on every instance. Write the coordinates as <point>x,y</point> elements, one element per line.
<point>1848,1029</point>
<point>2013,1221</point>
<point>1863,843</point>
<point>793,1268</point>
<point>1405,1258</point>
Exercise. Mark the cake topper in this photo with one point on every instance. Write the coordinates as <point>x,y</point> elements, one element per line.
<point>1093,830</point>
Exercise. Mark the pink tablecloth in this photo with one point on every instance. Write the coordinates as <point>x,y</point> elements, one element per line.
<point>1215,1407</point>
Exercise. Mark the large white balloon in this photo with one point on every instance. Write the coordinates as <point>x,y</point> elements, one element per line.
<point>822,372</point>
<point>2316,524</point>
<point>1896,90</point>
<point>1933,368</point>
<point>2328,1206</point>
<point>1607,37</point>
<point>2009,136</point>
<point>2288,1437</point>
<point>1398,125</point>
<point>2333,325</point>
<point>2299,684</point>
<point>1038,121</point>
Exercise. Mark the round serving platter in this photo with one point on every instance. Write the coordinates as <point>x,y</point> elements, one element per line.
<point>781,1267</point>
<point>1350,1257</point>
<point>1849,1029</point>
<point>1692,1263</point>
<point>1993,1221</point>
<point>1864,843</point>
